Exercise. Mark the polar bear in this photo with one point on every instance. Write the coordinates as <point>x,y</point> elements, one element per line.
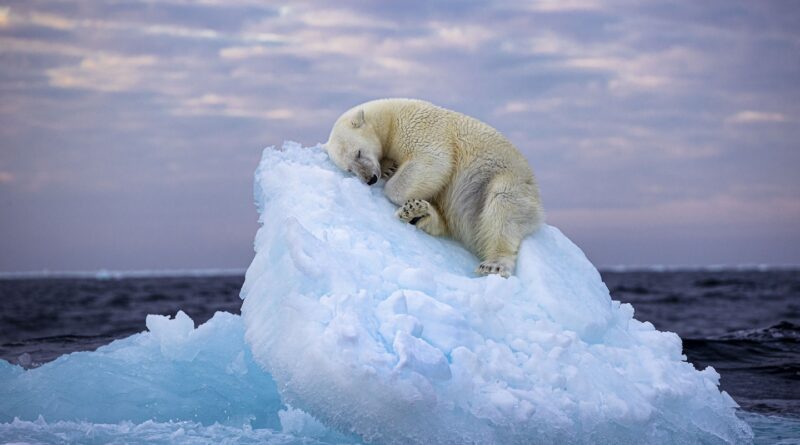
<point>450,174</point>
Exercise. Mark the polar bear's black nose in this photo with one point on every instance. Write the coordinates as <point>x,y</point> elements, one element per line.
<point>372,180</point>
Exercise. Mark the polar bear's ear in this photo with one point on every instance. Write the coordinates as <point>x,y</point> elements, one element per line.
<point>359,120</point>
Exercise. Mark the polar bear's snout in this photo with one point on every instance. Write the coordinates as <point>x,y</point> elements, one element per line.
<point>366,170</point>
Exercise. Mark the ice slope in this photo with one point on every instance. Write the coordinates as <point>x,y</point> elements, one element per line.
<point>172,384</point>
<point>377,328</point>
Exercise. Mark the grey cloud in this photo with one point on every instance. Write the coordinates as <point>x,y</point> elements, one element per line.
<point>630,113</point>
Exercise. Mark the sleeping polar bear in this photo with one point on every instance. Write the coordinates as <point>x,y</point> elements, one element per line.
<point>451,175</point>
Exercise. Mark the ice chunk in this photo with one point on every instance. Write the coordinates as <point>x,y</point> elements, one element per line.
<point>419,356</point>
<point>172,384</point>
<point>174,372</point>
<point>375,327</point>
<point>299,423</point>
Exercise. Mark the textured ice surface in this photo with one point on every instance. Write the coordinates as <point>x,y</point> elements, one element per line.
<point>148,432</point>
<point>172,372</point>
<point>375,327</point>
<point>172,384</point>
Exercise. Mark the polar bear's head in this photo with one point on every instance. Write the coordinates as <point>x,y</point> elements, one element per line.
<point>354,146</point>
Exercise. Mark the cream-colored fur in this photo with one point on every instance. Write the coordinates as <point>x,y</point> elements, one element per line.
<point>451,175</point>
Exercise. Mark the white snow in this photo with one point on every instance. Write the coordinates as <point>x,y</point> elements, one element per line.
<point>377,328</point>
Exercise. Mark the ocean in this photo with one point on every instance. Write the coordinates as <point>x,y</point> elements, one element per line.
<point>744,323</point>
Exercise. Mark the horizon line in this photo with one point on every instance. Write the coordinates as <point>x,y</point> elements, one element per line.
<point>107,274</point>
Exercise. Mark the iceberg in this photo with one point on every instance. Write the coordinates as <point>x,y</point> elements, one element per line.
<point>378,329</point>
<point>356,327</point>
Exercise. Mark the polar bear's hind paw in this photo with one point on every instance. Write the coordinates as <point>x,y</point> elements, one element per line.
<point>499,267</point>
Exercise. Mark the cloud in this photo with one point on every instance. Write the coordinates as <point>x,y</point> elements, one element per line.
<point>630,146</point>
<point>243,52</point>
<point>4,13</point>
<point>469,36</point>
<point>541,105</point>
<point>6,177</point>
<point>667,69</point>
<point>231,106</point>
<point>109,73</point>
<point>565,5</point>
<point>61,23</point>
<point>615,107</point>
<point>338,18</point>
<point>686,212</point>
<point>752,117</point>
<point>622,66</point>
<point>49,21</point>
<point>27,46</point>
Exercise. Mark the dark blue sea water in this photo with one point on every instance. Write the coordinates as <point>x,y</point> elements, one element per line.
<point>746,324</point>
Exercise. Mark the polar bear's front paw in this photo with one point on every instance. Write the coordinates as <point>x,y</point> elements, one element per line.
<point>388,169</point>
<point>414,210</point>
<point>500,267</point>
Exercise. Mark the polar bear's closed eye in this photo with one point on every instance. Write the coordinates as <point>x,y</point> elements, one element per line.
<point>355,147</point>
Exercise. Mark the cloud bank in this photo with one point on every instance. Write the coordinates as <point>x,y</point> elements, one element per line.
<point>661,133</point>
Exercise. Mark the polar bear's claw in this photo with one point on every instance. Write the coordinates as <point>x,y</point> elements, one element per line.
<point>498,267</point>
<point>388,169</point>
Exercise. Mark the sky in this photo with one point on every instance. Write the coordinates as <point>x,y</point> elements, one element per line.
<point>661,133</point>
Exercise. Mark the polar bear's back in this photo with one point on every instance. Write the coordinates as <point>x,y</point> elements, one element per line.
<point>484,165</point>
<point>417,122</point>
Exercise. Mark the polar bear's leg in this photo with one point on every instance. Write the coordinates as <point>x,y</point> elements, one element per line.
<point>419,178</point>
<point>424,215</point>
<point>508,215</point>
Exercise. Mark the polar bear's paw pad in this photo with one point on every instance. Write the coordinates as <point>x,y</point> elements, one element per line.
<point>414,210</point>
<point>501,267</point>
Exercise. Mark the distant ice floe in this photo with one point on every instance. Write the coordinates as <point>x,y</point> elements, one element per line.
<point>104,274</point>
<point>375,327</point>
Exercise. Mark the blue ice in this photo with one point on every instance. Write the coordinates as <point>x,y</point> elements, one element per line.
<point>355,322</point>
